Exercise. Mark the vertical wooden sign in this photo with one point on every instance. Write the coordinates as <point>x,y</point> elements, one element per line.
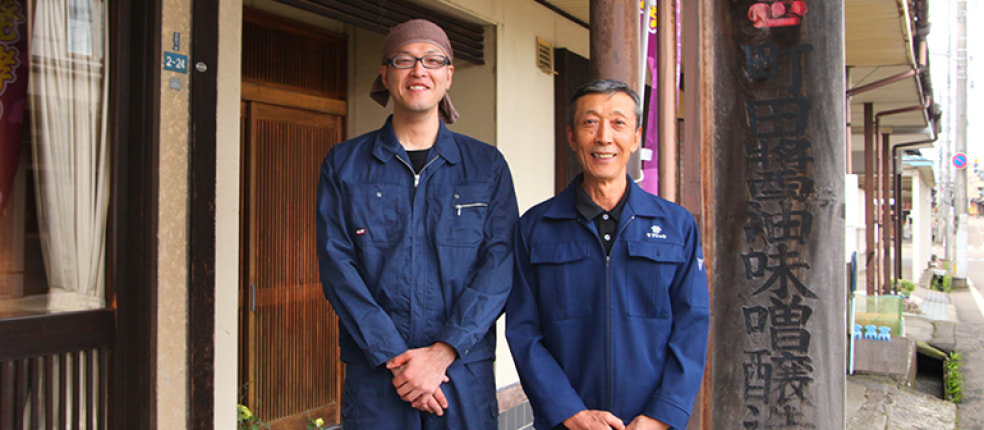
<point>779,326</point>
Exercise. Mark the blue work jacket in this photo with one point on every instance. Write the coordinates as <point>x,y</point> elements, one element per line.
<point>625,333</point>
<point>409,259</point>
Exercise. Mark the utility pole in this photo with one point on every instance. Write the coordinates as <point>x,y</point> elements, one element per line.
<point>960,199</point>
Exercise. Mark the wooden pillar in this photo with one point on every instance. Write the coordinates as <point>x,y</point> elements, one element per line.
<point>870,270</point>
<point>666,91</point>
<point>898,219</point>
<point>886,216</point>
<point>615,50</point>
<point>780,293</point>
<point>615,41</point>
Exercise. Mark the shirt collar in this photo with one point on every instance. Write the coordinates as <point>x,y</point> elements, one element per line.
<point>589,209</point>
<point>387,145</point>
<point>638,202</point>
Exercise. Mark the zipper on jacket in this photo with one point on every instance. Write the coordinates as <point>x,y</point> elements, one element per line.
<point>610,377</point>
<point>461,206</point>
<point>416,176</point>
<point>414,267</point>
<point>609,367</point>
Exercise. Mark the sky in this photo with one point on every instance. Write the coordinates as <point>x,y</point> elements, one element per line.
<point>942,48</point>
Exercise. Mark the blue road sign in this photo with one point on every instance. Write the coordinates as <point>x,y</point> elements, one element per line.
<point>959,160</point>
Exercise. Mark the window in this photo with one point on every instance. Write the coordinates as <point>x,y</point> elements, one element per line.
<point>54,155</point>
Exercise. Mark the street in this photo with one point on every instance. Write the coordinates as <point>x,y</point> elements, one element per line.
<point>970,331</point>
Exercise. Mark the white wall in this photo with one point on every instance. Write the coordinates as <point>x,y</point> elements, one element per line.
<point>853,216</point>
<point>227,212</point>
<point>922,222</point>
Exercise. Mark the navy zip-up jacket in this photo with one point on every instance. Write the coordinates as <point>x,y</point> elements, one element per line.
<point>409,259</point>
<point>625,333</point>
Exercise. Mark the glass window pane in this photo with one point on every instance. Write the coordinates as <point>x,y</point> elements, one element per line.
<point>53,227</point>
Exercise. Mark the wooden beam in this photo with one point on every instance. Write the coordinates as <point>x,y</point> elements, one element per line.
<point>270,94</point>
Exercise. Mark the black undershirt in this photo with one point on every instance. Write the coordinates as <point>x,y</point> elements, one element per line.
<point>418,159</point>
<point>605,221</point>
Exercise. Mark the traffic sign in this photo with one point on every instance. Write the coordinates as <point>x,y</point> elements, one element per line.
<point>959,160</point>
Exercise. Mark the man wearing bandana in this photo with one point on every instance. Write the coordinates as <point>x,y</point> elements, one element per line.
<point>414,231</point>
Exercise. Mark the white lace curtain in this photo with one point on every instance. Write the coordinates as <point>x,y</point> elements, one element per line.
<point>69,104</point>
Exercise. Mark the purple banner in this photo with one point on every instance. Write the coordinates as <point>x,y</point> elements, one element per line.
<point>13,91</point>
<point>650,169</point>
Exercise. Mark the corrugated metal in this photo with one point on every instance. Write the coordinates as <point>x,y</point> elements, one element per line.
<point>878,33</point>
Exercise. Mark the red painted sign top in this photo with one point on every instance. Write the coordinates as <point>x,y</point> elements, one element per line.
<point>777,13</point>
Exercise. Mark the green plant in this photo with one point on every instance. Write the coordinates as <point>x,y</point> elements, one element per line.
<point>952,378</point>
<point>314,423</point>
<point>906,286</point>
<point>247,421</point>
<point>947,282</point>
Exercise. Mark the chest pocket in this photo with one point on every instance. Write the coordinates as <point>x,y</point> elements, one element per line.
<point>649,274</point>
<point>566,280</point>
<point>378,213</point>
<point>463,211</point>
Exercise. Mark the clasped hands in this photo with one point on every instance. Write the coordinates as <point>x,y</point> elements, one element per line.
<point>418,374</point>
<point>604,420</point>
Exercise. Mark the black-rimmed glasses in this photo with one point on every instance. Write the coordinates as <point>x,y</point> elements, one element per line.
<point>434,61</point>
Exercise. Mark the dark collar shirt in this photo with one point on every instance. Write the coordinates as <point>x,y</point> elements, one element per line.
<point>606,222</point>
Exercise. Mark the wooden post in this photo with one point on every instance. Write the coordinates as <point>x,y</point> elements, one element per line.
<point>615,41</point>
<point>869,198</point>
<point>886,216</point>
<point>780,293</point>
<point>667,91</point>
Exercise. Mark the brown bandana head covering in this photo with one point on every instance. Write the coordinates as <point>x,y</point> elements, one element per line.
<point>415,30</point>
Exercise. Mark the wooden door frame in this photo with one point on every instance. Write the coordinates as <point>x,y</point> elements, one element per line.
<point>269,103</point>
<point>202,189</point>
<point>254,94</point>
<point>131,263</point>
<point>571,73</point>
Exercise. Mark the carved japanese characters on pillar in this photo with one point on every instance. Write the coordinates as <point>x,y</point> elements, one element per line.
<point>777,363</point>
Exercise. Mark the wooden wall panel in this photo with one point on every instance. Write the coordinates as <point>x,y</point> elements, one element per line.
<point>293,55</point>
<point>294,345</point>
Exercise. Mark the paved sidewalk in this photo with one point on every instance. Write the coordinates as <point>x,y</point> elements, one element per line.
<point>970,344</point>
<point>880,403</point>
<point>877,403</point>
<point>935,305</point>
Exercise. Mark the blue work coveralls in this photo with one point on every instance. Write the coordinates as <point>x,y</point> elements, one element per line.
<point>625,333</point>
<point>409,259</point>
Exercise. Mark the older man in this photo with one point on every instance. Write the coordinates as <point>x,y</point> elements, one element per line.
<point>608,317</point>
<point>414,230</point>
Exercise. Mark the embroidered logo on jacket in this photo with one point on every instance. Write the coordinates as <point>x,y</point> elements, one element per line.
<point>655,232</point>
<point>360,231</point>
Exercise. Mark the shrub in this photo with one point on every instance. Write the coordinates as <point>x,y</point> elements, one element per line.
<point>906,286</point>
<point>247,421</point>
<point>952,378</point>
